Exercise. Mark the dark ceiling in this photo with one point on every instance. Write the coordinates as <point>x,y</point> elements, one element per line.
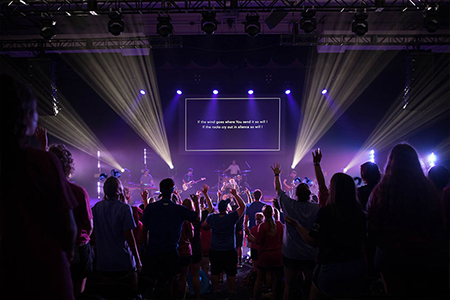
<point>82,25</point>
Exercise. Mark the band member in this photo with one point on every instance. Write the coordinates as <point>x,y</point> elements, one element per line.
<point>188,177</point>
<point>227,187</point>
<point>147,182</point>
<point>189,181</point>
<point>233,168</point>
<point>290,184</point>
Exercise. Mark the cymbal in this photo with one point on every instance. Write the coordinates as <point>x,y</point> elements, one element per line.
<point>246,171</point>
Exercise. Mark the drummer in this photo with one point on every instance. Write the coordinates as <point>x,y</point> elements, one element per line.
<point>234,169</point>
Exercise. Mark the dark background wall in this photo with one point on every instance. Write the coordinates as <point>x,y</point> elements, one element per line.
<point>233,65</point>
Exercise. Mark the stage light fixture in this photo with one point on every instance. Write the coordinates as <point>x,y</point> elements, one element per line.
<point>359,24</point>
<point>215,92</point>
<point>209,22</point>
<point>48,28</point>
<point>432,159</point>
<point>116,173</point>
<point>102,177</point>
<point>115,25</point>
<point>308,22</point>
<point>164,28</point>
<point>430,20</point>
<point>250,92</point>
<point>252,25</point>
<point>142,92</point>
<point>372,156</point>
<point>324,91</point>
<point>287,92</point>
<point>179,92</point>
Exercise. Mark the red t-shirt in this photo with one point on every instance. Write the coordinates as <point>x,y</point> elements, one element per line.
<point>137,215</point>
<point>205,237</point>
<point>33,263</point>
<point>269,252</point>
<point>254,232</point>
<point>184,244</point>
<point>82,213</point>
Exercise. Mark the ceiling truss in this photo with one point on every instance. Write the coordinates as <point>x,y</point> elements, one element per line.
<point>79,44</point>
<point>83,7</point>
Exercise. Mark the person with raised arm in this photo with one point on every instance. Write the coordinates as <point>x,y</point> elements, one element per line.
<point>339,232</point>
<point>82,265</point>
<point>298,256</point>
<point>223,254</point>
<point>37,226</point>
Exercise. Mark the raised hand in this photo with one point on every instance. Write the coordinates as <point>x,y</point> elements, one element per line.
<point>276,168</point>
<point>317,156</point>
<point>233,192</point>
<point>194,198</point>
<point>41,135</point>
<point>205,189</point>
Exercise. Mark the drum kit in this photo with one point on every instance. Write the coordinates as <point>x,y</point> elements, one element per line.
<point>227,182</point>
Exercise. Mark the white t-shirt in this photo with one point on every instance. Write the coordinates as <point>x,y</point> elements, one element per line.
<point>234,169</point>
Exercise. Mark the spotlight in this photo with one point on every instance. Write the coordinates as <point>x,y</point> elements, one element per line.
<point>142,92</point>
<point>209,22</point>
<point>324,91</point>
<point>432,159</point>
<point>115,25</point>
<point>252,25</point>
<point>164,28</point>
<point>287,92</point>
<point>345,170</point>
<point>179,92</point>
<point>359,24</point>
<point>215,92</point>
<point>372,156</point>
<point>430,20</point>
<point>115,173</point>
<point>102,177</point>
<point>250,92</point>
<point>48,28</point>
<point>308,21</point>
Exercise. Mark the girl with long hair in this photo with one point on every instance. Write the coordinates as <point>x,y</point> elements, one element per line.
<point>339,233</point>
<point>270,258</point>
<point>406,223</point>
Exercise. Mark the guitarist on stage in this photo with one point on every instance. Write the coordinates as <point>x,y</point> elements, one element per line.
<point>290,184</point>
<point>189,181</point>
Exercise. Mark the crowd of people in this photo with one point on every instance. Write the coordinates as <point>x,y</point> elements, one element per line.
<point>393,231</point>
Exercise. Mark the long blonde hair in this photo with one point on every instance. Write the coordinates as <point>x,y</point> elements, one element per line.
<point>268,218</point>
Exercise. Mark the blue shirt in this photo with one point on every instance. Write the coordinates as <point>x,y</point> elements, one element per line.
<point>111,219</point>
<point>305,213</point>
<point>251,210</point>
<point>164,221</point>
<point>222,230</point>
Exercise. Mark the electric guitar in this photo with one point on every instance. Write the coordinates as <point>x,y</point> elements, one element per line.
<point>189,184</point>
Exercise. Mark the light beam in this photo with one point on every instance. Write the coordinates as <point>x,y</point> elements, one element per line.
<point>117,78</point>
<point>337,72</point>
